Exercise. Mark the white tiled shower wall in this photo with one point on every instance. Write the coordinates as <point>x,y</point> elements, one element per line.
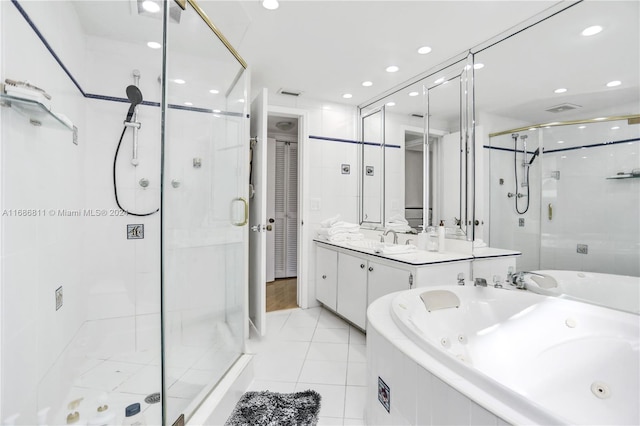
<point>109,283</point>
<point>587,208</point>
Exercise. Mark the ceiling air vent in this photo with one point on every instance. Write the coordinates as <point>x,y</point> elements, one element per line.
<point>289,92</point>
<point>563,107</point>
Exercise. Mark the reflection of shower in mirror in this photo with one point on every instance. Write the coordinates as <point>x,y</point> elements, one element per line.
<point>526,164</point>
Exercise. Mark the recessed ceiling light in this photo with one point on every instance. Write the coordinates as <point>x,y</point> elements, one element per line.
<point>150,6</point>
<point>347,96</point>
<point>270,4</point>
<point>440,80</point>
<point>391,103</point>
<point>424,50</point>
<point>179,81</point>
<point>614,83</point>
<point>591,30</point>
<point>478,66</point>
<point>615,127</point>
<point>241,100</point>
<point>392,68</point>
<point>414,93</point>
<point>188,103</point>
<point>560,90</point>
<point>367,83</point>
<point>560,141</point>
<point>154,45</point>
<point>214,91</point>
<point>582,127</point>
<point>216,110</point>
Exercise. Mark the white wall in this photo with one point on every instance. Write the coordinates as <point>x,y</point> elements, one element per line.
<point>42,169</point>
<point>110,285</point>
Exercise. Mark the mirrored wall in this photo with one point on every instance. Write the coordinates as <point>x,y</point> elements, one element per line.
<point>556,109</point>
<point>124,265</point>
<point>553,108</point>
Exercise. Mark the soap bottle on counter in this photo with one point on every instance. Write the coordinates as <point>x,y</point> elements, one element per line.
<point>422,239</point>
<point>432,243</point>
<point>441,232</point>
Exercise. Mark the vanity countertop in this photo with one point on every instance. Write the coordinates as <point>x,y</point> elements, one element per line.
<point>485,252</point>
<point>422,257</point>
<point>415,258</point>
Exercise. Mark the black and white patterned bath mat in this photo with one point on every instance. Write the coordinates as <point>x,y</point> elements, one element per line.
<point>275,409</point>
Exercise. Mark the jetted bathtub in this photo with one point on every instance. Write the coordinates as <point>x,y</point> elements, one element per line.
<point>481,355</point>
<point>614,291</point>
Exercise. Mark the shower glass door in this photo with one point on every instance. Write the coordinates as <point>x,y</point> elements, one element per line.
<point>204,233</point>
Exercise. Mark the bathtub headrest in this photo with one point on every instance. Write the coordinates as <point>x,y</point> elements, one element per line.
<point>545,281</point>
<point>439,299</point>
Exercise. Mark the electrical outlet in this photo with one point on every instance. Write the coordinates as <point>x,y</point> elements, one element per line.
<point>521,222</point>
<point>58,298</point>
<point>583,249</point>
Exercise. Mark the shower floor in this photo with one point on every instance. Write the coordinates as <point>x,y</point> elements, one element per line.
<point>192,367</point>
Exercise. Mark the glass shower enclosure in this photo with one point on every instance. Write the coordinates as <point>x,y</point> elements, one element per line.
<point>124,153</point>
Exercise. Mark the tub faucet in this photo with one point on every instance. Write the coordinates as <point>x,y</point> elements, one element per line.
<point>461,278</point>
<point>395,236</point>
<point>479,282</point>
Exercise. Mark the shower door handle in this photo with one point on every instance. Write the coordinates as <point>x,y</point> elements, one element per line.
<point>246,211</point>
<point>550,211</point>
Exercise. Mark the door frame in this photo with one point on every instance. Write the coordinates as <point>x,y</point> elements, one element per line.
<point>304,240</point>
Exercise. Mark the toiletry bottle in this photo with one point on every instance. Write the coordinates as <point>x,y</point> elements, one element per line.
<point>103,415</point>
<point>422,239</point>
<point>441,232</point>
<point>133,416</point>
<point>432,243</point>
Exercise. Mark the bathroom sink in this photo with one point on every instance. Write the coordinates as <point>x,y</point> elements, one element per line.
<point>366,244</point>
<point>382,248</point>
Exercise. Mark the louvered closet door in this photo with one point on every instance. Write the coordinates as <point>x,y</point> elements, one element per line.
<point>286,207</point>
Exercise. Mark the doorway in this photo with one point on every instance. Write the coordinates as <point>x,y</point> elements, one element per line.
<point>282,213</point>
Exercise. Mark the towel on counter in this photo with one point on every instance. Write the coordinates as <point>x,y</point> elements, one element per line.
<point>340,238</point>
<point>340,228</point>
<point>327,223</point>
<point>398,223</point>
<point>398,219</point>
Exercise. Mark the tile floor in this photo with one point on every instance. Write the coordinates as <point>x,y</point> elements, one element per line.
<point>313,349</point>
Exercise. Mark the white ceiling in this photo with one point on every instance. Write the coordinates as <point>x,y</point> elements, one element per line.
<point>327,48</point>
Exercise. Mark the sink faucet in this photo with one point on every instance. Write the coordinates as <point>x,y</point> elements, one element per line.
<point>395,236</point>
<point>480,282</point>
<point>517,279</point>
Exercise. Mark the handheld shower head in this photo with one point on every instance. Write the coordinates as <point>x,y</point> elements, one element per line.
<point>535,154</point>
<point>135,97</point>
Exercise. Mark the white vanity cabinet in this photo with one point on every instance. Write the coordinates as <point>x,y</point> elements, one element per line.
<point>352,288</point>
<point>362,280</point>
<point>348,280</point>
<point>383,279</point>
<point>326,276</point>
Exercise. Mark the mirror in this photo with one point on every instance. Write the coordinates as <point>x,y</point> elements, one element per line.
<point>578,202</point>
<point>443,98</point>
<point>372,167</point>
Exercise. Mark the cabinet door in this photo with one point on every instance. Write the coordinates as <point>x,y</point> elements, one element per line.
<point>384,279</point>
<point>352,289</point>
<point>326,276</point>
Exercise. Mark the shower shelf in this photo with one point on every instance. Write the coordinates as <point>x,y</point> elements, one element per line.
<point>625,176</point>
<point>38,114</point>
